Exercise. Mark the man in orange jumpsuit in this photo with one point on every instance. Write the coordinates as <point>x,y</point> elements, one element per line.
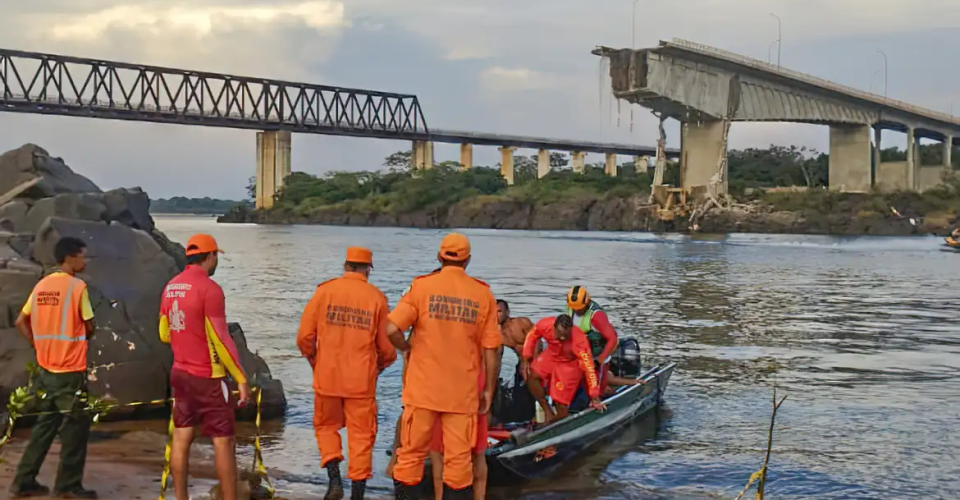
<point>455,318</point>
<point>561,366</point>
<point>343,333</point>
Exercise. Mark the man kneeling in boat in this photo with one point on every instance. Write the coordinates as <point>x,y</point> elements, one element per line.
<point>561,366</point>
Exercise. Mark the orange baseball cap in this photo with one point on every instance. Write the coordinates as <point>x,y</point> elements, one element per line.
<point>202,243</point>
<point>455,247</point>
<point>360,255</point>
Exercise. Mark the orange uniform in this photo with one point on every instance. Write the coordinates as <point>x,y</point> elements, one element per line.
<point>58,308</point>
<point>562,364</point>
<point>455,317</point>
<point>343,332</point>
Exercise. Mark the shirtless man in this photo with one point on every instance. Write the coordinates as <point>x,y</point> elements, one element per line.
<point>513,330</point>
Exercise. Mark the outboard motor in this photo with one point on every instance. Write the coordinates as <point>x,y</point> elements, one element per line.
<point>626,361</point>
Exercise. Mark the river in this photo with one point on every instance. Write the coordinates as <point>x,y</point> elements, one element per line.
<point>861,334</point>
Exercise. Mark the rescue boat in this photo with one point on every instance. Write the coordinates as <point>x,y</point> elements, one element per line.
<point>527,453</point>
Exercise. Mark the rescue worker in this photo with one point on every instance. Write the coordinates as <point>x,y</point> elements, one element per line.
<point>456,326</point>
<point>193,321</point>
<point>343,334</point>
<point>57,321</point>
<point>590,318</point>
<point>561,366</point>
<point>479,459</point>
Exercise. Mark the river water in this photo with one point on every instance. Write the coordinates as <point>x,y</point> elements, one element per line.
<point>861,334</point>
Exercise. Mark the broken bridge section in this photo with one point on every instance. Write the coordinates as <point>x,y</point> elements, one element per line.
<point>706,89</point>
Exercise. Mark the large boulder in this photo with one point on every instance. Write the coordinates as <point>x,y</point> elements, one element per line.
<point>86,206</point>
<point>30,162</point>
<point>130,207</point>
<point>13,215</point>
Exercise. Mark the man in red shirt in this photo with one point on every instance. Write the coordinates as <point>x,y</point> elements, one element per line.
<point>193,321</point>
<point>561,366</point>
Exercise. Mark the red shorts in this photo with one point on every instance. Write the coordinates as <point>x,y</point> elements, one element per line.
<point>203,402</point>
<point>562,377</point>
<point>436,444</point>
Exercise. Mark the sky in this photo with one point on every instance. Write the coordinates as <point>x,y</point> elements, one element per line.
<point>488,66</point>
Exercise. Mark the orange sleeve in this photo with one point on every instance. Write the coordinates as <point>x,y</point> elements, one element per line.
<point>307,333</point>
<point>406,313</point>
<point>530,343</point>
<point>490,337</point>
<point>386,353</point>
<point>581,346</point>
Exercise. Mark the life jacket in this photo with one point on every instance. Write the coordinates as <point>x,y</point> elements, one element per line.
<point>597,342</point>
<point>59,333</point>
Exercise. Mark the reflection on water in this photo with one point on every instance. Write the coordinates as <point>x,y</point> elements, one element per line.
<point>861,333</point>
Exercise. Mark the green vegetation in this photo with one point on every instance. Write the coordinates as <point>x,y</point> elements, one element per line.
<point>198,206</point>
<point>397,189</point>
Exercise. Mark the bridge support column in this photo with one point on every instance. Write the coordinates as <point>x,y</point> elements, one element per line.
<point>422,155</point>
<point>948,155</point>
<point>506,163</point>
<point>701,145</point>
<point>610,166</point>
<point>543,163</point>
<point>912,162</point>
<point>850,158</point>
<point>273,165</point>
<point>466,156</point>
<point>876,154</point>
<point>578,162</point>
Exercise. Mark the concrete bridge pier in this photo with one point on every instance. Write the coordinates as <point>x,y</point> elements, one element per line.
<point>466,156</point>
<point>506,163</point>
<point>273,165</point>
<point>421,157</point>
<point>930,176</point>
<point>578,161</point>
<point>641,164</point>
<point>543,163</point>
<point>610,167</point>
<point>701,146</point>
<point>912,162</point>
<point>851,157</point>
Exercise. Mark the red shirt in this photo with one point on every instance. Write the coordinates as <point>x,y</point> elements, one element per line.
<point>193,320</point>
<point>572,350</point>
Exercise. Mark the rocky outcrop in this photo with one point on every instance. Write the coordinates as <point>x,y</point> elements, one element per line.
<point>129,263</point>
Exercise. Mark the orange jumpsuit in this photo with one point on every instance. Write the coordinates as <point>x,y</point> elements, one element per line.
<point>455,317</point>
<point>343,332</point>
<point>562,365</point>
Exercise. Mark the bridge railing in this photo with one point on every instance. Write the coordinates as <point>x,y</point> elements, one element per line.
<point>52,84</point>
<point>812,80</point>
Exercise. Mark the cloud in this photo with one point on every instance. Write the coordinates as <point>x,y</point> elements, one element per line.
<point>157,20</point>
<point>502,79</point>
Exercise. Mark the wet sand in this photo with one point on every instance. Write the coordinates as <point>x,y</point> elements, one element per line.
<point>122,464</point>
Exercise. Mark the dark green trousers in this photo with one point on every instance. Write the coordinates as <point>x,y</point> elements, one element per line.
<point>73,428</point>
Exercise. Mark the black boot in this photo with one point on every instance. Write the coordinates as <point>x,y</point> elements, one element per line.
<point>335,488</point>
<point>357,490</point>
<point>405,492</point>
<point>452,494</point>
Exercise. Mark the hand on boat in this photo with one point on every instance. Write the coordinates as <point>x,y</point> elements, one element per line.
<point>598,405</point>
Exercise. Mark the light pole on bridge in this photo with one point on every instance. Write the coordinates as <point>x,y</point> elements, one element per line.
<point>779,37</point>
<point>634,25</point>
<point>884,72</point>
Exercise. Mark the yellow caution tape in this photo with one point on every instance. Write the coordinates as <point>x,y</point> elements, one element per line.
<point>753,478</point>
<point>166,457</point>
<point>20,397</point>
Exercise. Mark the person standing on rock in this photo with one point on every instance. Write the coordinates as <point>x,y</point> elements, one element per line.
<point>193,321</point>
<point>455,318</point>
<point>57,320</point>
<point>343,334</point>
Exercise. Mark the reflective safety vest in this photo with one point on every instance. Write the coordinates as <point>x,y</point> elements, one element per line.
<point>597,342</point>
<point>59,333</point>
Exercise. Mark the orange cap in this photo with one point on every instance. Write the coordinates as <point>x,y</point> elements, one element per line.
<point>455,247</point>
<point>202,243</point>
<point>359,255</point>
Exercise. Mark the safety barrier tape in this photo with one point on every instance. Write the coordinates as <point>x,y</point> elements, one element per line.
<point>753,478</point>
<point>20,397</point>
